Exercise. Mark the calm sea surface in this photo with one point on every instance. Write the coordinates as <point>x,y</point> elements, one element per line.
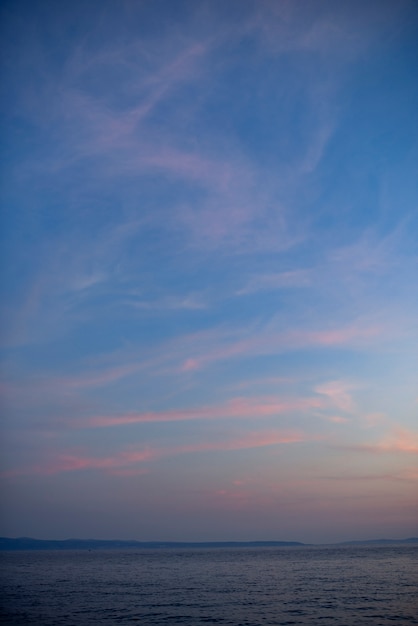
<point>348,586</point>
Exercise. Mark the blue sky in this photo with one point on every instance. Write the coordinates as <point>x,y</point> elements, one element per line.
<point>209,272</point>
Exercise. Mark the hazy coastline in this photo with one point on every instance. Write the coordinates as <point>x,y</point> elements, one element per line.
<point>29,543</point>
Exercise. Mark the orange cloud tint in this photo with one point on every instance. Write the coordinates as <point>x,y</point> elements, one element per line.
<point>399,440</point>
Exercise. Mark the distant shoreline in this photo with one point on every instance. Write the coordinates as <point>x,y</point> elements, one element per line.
<point>27,543</point>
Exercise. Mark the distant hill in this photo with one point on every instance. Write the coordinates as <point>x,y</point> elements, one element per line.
<point>27,543</point>
<point>379,541</point>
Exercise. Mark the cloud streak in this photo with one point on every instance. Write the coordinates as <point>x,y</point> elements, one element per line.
<point>125,462</point>
<point>235,408</point>
<point>338,394</point>
<point>351,337</point>
<point>398,441</point>
<point>209,238</point>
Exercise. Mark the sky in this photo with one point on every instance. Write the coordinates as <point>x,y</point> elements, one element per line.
<point>209,278</point>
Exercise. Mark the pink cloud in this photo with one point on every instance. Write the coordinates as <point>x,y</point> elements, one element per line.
<point>398,441</point>
<point>268,343</point>
<point>236,408</point>
<point>337,419</point>
<point>125,462</point>
<point>337,394</point>
<point>194,352</point>
<point>74,462</point>
<point>346,336</point>
<point>190,365</point>
<point>270,438</point>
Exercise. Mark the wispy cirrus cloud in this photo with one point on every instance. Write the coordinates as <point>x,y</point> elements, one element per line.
<point>189,258</point>
<point>129,462</point>
<point>286,27</point>
<point>93,122</point>
<point>405,475</point>
<point>241,407</point>
<point>73,462</point>
<point>338,419</point>
<point>337,393</point>
<point>353,336</point>
<point>281,280</point>
<point>186,354</point>
<point>397,441</point>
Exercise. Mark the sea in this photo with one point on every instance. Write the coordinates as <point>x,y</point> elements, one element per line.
<point>337,585</point>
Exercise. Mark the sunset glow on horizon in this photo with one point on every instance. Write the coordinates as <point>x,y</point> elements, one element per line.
<point>209,283</point>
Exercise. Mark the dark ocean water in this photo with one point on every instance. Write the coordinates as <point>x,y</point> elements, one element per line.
<point>350,586</point>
